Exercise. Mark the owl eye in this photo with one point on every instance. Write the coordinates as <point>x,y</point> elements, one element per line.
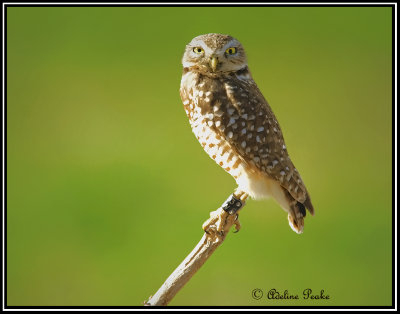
<point>231,51</point>
<point>198,50</point>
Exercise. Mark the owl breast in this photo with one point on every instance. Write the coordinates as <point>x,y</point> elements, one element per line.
<point>202,98</point>
<point>214,117</point>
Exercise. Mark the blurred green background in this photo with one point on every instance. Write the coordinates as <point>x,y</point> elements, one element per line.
<point>107,187</point>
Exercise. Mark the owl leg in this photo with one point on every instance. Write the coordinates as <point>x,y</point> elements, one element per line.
<point>242,196</point>
<point>231,207</point>
<point>218,220</point>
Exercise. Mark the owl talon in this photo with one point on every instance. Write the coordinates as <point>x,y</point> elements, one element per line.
<point>237,224</point>
<point>216,222</point>
<point>218,218</point>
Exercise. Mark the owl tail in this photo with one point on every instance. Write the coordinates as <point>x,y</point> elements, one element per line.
<point>297,213</point>
<point>296,217</point>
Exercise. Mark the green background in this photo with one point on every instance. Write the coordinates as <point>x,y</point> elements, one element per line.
<point>107,187</point>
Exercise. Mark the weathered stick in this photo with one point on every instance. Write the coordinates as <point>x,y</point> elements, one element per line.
<point>210,241</point>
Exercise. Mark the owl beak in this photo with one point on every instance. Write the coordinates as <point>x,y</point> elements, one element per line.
<point>213,63</point>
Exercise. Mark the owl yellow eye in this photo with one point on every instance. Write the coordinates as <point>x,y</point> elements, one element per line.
<point>198,50</point>
<point>231,51</point>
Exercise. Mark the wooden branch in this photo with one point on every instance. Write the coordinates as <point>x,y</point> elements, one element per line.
<point>210,241</point>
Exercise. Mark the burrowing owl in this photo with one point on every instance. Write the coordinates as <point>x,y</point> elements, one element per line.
<point>236,126</point>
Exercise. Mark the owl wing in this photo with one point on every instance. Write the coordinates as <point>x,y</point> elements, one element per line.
<point>243,117</point>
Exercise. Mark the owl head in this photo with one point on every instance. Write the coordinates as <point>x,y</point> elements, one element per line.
<point>213,53</point>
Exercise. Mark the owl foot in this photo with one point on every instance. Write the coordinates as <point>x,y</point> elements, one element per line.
<point>219,218</point>
<point>218,221</point>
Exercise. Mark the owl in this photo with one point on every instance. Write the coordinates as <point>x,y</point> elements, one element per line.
<point>236,126</point>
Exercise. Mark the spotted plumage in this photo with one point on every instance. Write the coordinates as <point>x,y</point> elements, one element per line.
<point>236,126</point>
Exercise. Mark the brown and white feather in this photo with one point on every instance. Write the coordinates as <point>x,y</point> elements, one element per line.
<point>237,128</point>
